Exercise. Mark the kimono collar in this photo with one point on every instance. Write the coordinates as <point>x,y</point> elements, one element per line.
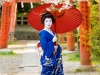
<point>50,32</point>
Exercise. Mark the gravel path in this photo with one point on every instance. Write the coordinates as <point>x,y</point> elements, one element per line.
<point>9,64</point>
<point>75,68</point>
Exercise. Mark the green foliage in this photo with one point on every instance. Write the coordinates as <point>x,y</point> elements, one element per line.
<point>26,8</point>
<point>94,15</point>
<point>76,4</point>
<point>95,41</point>
<point>95,59</point>
<point>85,69</point>
<point>12,43</point>
<point>75,57</point>
<point>7,53</point>
<point>72,57</point>
<point>95,35</point>
<point>94,1</point>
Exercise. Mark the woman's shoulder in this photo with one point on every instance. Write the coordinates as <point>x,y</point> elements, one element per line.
<point>42,32</point>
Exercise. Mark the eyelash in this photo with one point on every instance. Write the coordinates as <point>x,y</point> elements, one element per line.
<point>47,21</point>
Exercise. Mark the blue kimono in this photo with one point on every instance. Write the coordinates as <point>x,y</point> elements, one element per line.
<point>51,64</point>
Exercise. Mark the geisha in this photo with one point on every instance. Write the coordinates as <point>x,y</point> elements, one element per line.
<point>50,52</point>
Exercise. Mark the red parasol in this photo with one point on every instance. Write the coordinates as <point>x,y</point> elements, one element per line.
<point>66,20</point>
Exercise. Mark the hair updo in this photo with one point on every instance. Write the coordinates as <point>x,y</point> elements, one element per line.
<point>47,15</point>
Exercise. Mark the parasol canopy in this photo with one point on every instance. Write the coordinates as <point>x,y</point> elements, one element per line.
<point>66,20</point>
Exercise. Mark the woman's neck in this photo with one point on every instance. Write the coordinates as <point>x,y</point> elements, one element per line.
<point>48,29</point>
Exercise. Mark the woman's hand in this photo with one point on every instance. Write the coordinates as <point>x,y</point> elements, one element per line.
<point>40,51</point>
<point>55,51</point>
<point>54,39</point>
<point>56,47</point>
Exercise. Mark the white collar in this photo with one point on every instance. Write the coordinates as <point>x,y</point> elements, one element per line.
<point>49,31</point>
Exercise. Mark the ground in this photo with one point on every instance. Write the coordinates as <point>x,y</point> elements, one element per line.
<point>9,64</point>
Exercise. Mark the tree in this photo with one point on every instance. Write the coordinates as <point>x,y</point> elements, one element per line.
<point>26,8</point>
<point>95,35</point>
<point>99,11</point>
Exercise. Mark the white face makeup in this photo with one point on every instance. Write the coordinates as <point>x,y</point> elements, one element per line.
<point>48,22</point>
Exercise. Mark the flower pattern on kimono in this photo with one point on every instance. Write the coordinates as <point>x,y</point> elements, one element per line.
<point>48,61</point>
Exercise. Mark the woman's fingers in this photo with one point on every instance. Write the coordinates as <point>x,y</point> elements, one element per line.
<point>54,52</point>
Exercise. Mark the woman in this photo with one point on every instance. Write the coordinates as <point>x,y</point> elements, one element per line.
<point>51,57</point>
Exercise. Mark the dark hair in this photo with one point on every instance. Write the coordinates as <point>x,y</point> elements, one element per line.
<point>47,15</point>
